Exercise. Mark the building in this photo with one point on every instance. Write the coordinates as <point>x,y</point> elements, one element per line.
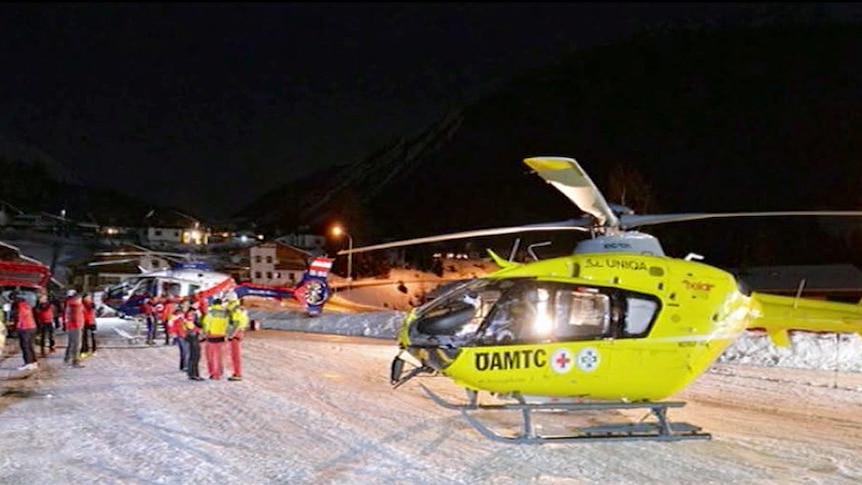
<point>172,229</point>
<point>309,242</point>
<point>275,263</point>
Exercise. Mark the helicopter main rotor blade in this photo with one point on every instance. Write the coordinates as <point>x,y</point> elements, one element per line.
<point>162,254</point>
<point>112,261</point>
<point>635,220</point>
<point>568,177</point>
<point>581,224</point>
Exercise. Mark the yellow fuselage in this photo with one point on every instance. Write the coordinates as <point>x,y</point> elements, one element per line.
<point>702,311</point>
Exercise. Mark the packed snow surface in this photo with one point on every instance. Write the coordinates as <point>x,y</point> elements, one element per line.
<point>316,407</point>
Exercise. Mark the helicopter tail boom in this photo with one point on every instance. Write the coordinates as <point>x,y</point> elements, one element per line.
<point>778,315</point>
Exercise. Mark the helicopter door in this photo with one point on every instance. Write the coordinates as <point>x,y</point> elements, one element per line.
<point>581,315</point>
<point>582,325</point>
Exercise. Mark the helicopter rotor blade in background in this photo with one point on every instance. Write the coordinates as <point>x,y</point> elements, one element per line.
<point>112,261</point>
<point>582,224</point>
<point>163,254</point>
<point>568,177</point>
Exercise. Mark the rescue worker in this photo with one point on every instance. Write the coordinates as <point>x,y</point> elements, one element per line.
<point>45,317</point>
<point>192,323</point>
<point>88,345</point>
<point>25,326</point>
<point>215,324</point>
<point>177,329</point>
<point>167,311</point>
<point>74,318</point>
<point>238,322</point>
<point>148,312</point>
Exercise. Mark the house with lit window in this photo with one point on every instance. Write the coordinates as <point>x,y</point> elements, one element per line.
<point>275,263</point>
<point>173,229</point>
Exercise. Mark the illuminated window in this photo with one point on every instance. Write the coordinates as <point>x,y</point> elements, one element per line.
<point>581,314</point>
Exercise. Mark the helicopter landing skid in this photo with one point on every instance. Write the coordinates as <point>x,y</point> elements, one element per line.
<point>660,430</point>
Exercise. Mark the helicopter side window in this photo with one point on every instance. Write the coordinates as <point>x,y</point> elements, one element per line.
<point>457,316</point>
<point>640,313</point>
<point>506,321</point>
<point>581,315</point>
<point>142,288</point>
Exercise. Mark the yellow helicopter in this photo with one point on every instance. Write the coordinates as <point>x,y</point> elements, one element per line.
<point>615,325</point>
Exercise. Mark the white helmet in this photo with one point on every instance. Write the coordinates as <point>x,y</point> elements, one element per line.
<point>71,292</point>
<point>231,296</point>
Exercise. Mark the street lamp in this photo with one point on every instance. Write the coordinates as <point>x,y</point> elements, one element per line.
<point>337,231</point>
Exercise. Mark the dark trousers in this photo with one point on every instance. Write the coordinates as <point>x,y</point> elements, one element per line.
<point>88,343</point>
<point>26,339</point>
<point>194,356</point>
<point>46,336</point>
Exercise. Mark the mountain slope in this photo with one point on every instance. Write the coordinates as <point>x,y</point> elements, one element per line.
<point>758,118</point>
<point>34,182</point>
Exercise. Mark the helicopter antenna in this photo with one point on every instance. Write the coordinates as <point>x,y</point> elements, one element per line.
<point>536,245</point>
<point>514,249</point>
<point>799,291</point>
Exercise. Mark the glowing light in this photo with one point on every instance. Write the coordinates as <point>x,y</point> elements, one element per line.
<point>543,324</point>
<point>338,231</point>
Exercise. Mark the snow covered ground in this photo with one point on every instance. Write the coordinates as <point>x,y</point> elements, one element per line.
<point>317,407</point>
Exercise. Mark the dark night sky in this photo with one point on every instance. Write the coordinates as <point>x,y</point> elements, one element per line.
<point>207,106</point>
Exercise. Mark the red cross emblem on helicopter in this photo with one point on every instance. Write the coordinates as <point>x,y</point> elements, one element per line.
<point>561,361</point>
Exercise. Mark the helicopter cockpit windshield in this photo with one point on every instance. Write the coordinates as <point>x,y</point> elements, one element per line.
<point>527,311</point>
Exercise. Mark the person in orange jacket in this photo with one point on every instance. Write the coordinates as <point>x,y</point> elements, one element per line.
<point>25,326</point>
<point>177,330</point>
<point>88,344</point>
<point>149,313</point>
<point>166,312</point>
<point>74,318</point>
<point>45,316</point>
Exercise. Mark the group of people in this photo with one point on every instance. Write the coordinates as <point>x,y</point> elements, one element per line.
<point>217,329</point>
<point>38,322</point>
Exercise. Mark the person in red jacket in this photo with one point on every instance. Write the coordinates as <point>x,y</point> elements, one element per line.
<point>88,344</point>
<point>74,317</point>
<point>44,312</point>
<point>148,310</point>
<point>167,311</point>
<point>177,330</point>
<point>25,327</point>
